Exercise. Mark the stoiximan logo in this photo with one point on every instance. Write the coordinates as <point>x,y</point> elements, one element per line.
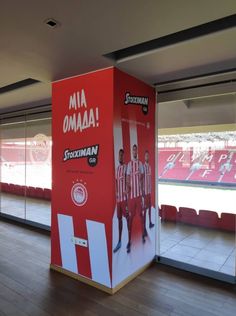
<point>90,152</point>
<point>137,100</point>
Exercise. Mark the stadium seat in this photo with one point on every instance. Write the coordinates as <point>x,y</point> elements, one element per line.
<point>16,189</point>
<point>47,194</point>
<point>39,193</point>
<point>11,188</point>
<point>188,216</point>
<point>208,219</point>
<point>23,190</point>
<point>30,191</point>
<point>4,187</point>
<point>227,222</point>
<point>169,213</point>
<point>19,189</point>
<point>27,191</point>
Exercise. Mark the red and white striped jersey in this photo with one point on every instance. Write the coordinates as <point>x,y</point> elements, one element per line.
<point>135,171</point>
<point>147,178</point>
<point>121,183</point>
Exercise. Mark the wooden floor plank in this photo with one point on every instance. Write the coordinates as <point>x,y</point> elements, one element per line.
<point>28,287</point>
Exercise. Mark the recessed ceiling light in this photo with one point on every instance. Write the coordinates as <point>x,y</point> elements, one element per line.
<point>52,23</point>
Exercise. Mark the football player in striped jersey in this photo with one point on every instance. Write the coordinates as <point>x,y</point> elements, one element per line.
<point>147,191</point>
<point>121,197</point>
<point>135,191</point>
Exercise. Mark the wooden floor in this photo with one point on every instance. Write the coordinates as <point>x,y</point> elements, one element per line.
<point>28,287</point>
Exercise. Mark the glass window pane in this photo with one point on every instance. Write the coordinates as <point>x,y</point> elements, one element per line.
<point>197,183</point>
<point>38,169</point>
<point>13,169</point>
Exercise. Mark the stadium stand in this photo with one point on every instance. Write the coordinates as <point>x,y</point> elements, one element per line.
<point>212,166</point>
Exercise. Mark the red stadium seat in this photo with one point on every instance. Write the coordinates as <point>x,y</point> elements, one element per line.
<point>16,189</point>
<point>188,216</point>
<point>11,188</point>
<point>23,190</point>
<point>227,222</point>
<point>30,191</point>
<point>19,189</point>
<point>47,194</point>
<point>27,193</point>
<point>4,187</point>
<point>8,189</point>
<point>39,193</point>
<point>208,219</point>
<point>169,213</point>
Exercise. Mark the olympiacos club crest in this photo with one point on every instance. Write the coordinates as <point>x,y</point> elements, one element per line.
<point>79,194</point>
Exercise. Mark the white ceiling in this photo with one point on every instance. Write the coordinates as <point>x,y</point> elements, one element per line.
<point>202,55</point>
<point>198,112</point>
<point>91,28</point>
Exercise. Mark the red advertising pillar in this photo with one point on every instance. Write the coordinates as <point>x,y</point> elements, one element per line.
<point>103,192</point>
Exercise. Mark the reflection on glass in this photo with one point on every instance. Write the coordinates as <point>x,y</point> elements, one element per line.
<point>13,169</point>
<point>26,168</point>
<point>197,183</point>
<point>38,169</point>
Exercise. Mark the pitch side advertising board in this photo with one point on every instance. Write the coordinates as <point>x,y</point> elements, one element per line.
<point>103,192</point>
